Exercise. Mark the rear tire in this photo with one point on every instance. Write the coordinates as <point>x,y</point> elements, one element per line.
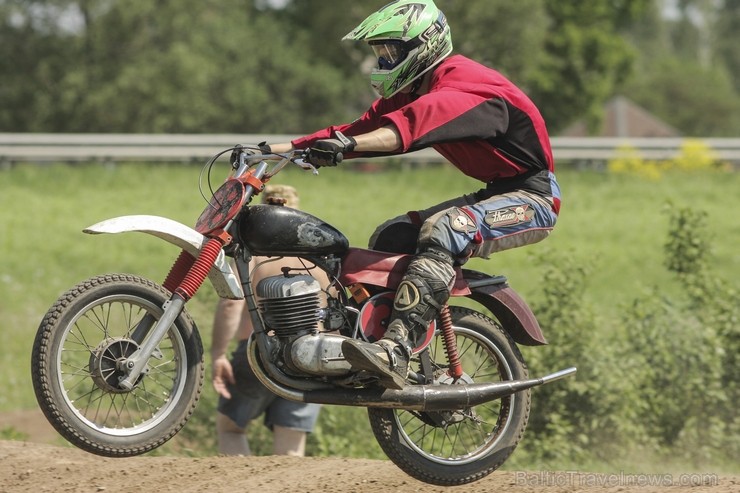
<point>460,447</point>
<point>75,376</point>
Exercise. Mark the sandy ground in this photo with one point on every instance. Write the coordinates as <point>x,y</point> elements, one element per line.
<point>36,465</point>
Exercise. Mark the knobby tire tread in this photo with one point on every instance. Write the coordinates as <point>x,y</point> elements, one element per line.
<point>40,378</point>
<point>384,427</point>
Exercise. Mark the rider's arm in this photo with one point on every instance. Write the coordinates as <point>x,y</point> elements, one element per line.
<point>281,148</point>
<point>383,139</point>
<point>374,134</point>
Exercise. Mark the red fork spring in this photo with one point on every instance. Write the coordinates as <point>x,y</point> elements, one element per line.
<point>198,272</point>
<point>450,343</point>
<point>178,271</point>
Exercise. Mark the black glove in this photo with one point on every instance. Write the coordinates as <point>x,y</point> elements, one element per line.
<point>330,152</point>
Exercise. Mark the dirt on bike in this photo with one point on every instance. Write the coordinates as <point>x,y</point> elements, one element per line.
<point>118,363</point>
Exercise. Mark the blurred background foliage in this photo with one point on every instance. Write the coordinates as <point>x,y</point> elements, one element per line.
<point>268,66</point>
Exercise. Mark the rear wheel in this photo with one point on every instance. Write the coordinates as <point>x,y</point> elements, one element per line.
<point>457,447</point>
<point>77,362</point>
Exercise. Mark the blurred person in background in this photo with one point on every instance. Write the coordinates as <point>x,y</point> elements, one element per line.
<point>242,397</point>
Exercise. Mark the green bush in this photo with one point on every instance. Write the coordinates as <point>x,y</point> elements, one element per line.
<point>664,377</point>
<point>678,351</point>
<point>581,419</point>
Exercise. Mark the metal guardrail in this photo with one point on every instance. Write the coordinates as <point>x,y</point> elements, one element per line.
<point>33,147</point>
<point>110,148</point>
<point>653,148</point>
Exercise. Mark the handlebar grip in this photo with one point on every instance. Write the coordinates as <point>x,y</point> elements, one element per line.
<point>339,158</point>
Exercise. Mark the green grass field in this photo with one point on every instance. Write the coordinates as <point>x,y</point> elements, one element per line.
<point>618,224</point>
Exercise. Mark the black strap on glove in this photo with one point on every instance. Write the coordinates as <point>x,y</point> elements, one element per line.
<point>330,152</point>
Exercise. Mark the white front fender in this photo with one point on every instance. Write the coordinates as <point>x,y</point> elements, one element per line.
<point>222,276</point>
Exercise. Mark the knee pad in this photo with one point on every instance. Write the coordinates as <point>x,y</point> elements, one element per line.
<point>424,290</point>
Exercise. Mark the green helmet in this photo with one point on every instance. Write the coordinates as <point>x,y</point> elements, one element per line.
<point>409,38</point>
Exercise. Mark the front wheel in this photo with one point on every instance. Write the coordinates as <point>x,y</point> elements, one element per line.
<point>457,447</point>
<point>77,362</point>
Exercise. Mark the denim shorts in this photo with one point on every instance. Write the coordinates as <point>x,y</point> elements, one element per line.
<point>249,399</point>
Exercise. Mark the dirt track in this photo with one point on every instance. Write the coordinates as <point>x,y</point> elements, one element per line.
<point>32,466</point>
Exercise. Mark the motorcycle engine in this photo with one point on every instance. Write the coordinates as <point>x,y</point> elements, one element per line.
<point>291,307</point>
<point>290,304</point>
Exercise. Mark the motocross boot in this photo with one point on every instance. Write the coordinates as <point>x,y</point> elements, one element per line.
<point>421,295</point>
<point>387,358</point>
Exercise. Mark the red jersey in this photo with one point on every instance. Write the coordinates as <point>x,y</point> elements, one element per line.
<point>473,116</point>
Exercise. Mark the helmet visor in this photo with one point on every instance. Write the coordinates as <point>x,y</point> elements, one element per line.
<point>389,53</point>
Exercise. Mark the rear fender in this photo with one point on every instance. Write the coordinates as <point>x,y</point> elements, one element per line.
<point>386,270</point>
<point>222,276</point>
<point>507,306</point>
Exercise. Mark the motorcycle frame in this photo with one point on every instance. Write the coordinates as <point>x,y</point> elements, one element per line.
<point>203,256</point>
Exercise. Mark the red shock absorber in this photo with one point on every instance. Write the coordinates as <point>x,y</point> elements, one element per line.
<point>198,272</point>
<point>450,343</point>
<point>178,271</point>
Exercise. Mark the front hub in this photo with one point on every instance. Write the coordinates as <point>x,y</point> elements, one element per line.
<point>110,363</point>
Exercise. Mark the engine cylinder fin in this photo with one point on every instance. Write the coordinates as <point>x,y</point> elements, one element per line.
<point>288,316</point>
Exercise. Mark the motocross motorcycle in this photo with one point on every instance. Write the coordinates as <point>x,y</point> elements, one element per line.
<point>118,363</point>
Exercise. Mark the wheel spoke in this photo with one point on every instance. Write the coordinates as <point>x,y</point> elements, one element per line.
<point>468,433</point>
<point>79,337</point>
<point>95,317</point>
<point>83,350</point>
<point>90,368</point>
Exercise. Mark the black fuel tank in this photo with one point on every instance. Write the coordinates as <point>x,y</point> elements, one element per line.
<point>274,230</point>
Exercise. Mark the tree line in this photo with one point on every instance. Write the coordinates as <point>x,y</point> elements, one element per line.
<point>253,66</point>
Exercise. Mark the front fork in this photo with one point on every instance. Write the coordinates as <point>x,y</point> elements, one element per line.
<point>183,280</point>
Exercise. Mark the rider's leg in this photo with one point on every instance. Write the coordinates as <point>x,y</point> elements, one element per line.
<point>448,237</point>
<point>423,291</point>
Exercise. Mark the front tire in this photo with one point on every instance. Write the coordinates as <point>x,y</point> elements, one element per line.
<point>75,375</point>
<point>453,448</point>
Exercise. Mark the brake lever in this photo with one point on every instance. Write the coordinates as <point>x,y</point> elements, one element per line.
<point>300,160</point>
<point>305,165</point>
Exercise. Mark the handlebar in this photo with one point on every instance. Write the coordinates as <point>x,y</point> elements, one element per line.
<point>247,159</point>
<point>251,154</point>
<point>298,158</point>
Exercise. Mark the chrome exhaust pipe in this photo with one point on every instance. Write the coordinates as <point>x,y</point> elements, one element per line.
<point>413,397</point>
<point>430,397</point>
